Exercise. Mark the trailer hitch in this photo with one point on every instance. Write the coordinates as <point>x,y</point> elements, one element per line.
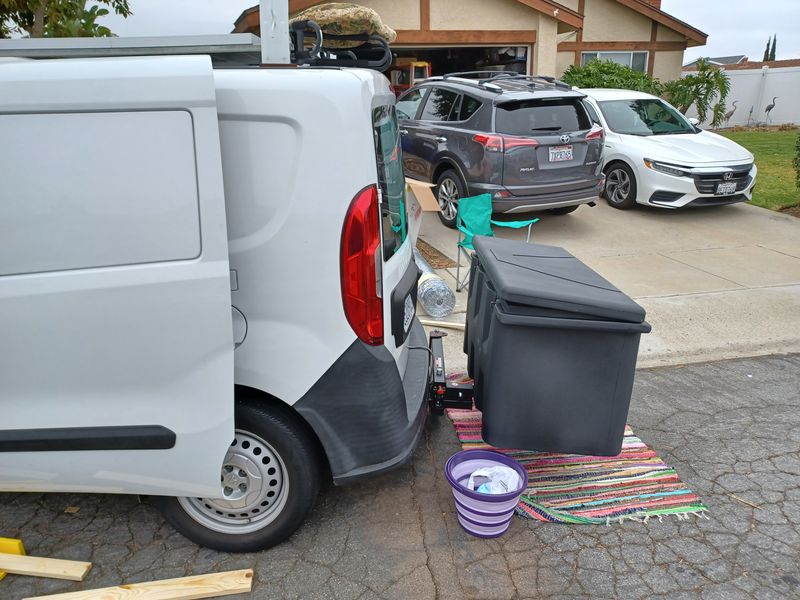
<point>441,392</point>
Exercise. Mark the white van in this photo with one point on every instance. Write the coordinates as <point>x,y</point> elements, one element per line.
<point>207,288</point>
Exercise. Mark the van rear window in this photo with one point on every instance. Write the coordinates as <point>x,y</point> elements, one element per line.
<point>540,117</point>
<point>391,179</point>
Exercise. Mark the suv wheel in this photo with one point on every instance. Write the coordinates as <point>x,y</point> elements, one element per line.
<point>449,188</point>
<point>269,481</point>
<point>620,188</point>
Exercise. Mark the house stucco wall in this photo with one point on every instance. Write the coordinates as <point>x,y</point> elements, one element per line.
<point>563,61</point>
<point>667,65</point>
<point>545,50</point>
<point>478,14</point>
<point>609,21</point>
<point>403,14</point>
<point>571,4</point>
<point>665,34</point>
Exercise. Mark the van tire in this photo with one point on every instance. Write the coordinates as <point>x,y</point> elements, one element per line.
<point>273,433</point>
<point>449,187</point>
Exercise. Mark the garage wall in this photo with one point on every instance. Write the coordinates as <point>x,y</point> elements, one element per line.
<point>609,21</point>
<point>479,14</point>
<point>396,14</point>
<point>667,65</point>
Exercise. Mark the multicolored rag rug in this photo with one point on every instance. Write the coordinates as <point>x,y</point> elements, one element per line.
<point>570,488</point>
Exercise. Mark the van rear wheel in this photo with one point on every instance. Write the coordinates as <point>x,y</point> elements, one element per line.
<point>268,484</point>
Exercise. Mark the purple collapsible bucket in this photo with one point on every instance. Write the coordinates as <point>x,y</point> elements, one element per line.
<point>482,515</point>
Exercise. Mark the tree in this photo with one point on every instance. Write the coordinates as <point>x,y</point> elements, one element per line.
<point>707,89</point>
<point>774,44</point>
<point>57,18</point>
<point>766,51</point>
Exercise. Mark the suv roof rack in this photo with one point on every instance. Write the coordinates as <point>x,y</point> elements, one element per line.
<point>494,78</point>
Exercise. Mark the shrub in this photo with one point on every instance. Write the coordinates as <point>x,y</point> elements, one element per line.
<point>796,162</point>
<point>607,74</point>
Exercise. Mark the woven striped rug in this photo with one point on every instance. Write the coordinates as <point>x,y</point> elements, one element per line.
<point>570,488</point>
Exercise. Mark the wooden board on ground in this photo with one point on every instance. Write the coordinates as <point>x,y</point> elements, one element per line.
<point>37,566</point>
<point>210,585</point>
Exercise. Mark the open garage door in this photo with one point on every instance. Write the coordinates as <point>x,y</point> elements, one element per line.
<point>407,69</point>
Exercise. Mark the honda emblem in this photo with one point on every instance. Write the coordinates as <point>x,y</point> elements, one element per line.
<point>727,176</point>
<point>564,139</point>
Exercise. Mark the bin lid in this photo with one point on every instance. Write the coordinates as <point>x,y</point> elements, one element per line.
<point>550,277</point>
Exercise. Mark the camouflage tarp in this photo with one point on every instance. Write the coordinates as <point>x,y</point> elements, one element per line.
<point>345,18</point>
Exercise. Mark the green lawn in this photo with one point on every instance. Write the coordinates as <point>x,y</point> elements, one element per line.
<point>775,184</point>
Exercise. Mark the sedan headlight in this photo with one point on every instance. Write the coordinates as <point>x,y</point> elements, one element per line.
<point>665,168</point>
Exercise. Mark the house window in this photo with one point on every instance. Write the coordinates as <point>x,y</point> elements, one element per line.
<point>635,60</point>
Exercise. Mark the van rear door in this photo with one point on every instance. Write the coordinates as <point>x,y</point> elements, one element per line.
<point>116,357</point>
<point>399,272</point>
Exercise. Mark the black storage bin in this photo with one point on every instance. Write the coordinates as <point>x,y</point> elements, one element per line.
<point>553,349</point>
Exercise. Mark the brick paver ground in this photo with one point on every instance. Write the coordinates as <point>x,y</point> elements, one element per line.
<point>730,428</point>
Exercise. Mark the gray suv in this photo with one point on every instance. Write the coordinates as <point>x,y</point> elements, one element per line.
<point>531,142</point>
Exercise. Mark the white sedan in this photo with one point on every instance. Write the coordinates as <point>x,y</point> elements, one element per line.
<point>654,155</point>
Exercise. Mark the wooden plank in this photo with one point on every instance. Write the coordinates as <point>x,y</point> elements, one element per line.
<point>37,566</point>
<point>425,15</point>
<point>651,55</point>
<point>635,45</point>
<point>210,585</point>
<point>458,37</point>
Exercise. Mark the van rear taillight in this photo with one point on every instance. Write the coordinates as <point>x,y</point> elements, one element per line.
<point>361,239</point>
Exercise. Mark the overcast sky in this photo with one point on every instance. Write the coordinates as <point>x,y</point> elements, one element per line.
<point>733,26</point>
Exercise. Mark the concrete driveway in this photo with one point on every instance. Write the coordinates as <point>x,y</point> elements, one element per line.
<point>718,282</point>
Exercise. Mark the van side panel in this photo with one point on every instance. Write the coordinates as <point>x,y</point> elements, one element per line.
<point>116,353</point>
<point>110,196</point>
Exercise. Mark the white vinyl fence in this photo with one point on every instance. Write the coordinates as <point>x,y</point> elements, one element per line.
<point>754,90</point>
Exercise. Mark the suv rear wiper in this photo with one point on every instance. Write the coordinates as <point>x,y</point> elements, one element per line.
<point>552,128</point>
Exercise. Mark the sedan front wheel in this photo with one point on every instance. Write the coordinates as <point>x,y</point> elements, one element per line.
<point>620,188</point>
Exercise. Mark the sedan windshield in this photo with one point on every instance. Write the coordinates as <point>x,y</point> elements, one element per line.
<point>648,116</point>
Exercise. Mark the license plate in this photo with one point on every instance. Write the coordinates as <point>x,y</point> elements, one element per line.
<point>559,153</point>
<point>726,188</point>
<point>408,313</point>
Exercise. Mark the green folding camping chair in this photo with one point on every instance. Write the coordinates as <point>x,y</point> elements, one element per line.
<point>474,217</point>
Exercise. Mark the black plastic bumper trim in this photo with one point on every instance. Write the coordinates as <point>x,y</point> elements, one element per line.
<point>71,439</point>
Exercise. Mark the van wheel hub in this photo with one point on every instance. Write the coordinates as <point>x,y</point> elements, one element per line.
<point>254,486</point>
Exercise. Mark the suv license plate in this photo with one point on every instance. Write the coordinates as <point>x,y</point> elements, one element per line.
<point>726,188</point>
<point>559,153</point>
<point>408,313</point>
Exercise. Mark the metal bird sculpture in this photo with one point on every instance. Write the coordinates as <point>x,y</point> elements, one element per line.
<point>769,108</point>
<point>750,116</point>
<point>729,114</point>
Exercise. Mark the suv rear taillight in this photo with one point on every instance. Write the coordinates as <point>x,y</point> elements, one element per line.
<point>595,133</point>
<point>503,143</point>
<point>361,238</point>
